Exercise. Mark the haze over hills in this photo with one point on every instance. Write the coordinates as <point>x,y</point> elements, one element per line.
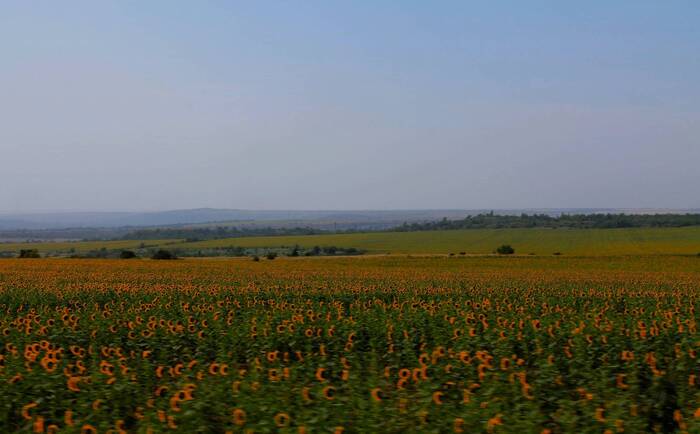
<point>323,219</point>
<point>56,220</point>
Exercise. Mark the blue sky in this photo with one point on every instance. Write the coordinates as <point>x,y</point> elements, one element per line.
<point>349,105</point>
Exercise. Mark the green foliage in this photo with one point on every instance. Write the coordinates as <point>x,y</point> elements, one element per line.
<point>163,254</point>
<point>29,253</point>
<point>127,254</point>
<point>505,249</point>
<point>333,251</point>
<point>572,221</point>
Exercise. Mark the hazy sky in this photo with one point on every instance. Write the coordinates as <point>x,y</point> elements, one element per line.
<point>134,105</point>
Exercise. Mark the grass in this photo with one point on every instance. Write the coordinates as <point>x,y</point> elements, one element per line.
<point>636,241</point>
<point>82,246</point>
<point>576,242</point>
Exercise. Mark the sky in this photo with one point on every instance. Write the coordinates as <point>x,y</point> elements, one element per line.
<point>132,105</point>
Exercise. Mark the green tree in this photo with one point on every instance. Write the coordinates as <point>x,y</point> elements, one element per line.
<point>29,253</point>
<point>505,249</point>
<point>163,254</point>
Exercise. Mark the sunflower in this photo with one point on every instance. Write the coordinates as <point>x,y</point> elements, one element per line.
<point>175,403</point>
<point>68,418</point>
<point>282,420</point>
<point>96,404</point>
<point>329,392</point>
<point>600,414</point>
<point>26,408</point>
<point>214,368</point>
<point>72,383</point>
<point>493,422</point>
<point>238,416</point>
<point>620,381</point>
<point>305,394</point>
<point>505,363</point>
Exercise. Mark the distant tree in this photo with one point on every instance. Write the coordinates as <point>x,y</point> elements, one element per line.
<point>295,251</point>
<point>29,253</point>
<point>505,249</point>
<point>330,250</point>
<point>163,254</point>
<point>271,255</point>
<point>491,220</point>
<point>127,254</point>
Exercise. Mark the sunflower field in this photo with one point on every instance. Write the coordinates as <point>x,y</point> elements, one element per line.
<point>351,345</point>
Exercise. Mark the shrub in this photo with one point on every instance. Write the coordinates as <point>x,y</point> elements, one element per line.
<point>271,255</point>
<point>29,253</point>
<point>127,254</point>
<point>256,258</point>
<point>163,254</point>
<point>505,249</point>
<point>330,250</point>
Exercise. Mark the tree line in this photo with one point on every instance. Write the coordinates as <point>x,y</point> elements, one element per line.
<point>573,221</point>
<point>210,233</point>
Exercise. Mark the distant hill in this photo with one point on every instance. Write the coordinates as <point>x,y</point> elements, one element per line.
<point>322,219</point>
<point>56,220</point>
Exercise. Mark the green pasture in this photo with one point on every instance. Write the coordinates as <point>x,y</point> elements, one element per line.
<point>580,242</point>
<point>83,246</point>
<point>634,241</point>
